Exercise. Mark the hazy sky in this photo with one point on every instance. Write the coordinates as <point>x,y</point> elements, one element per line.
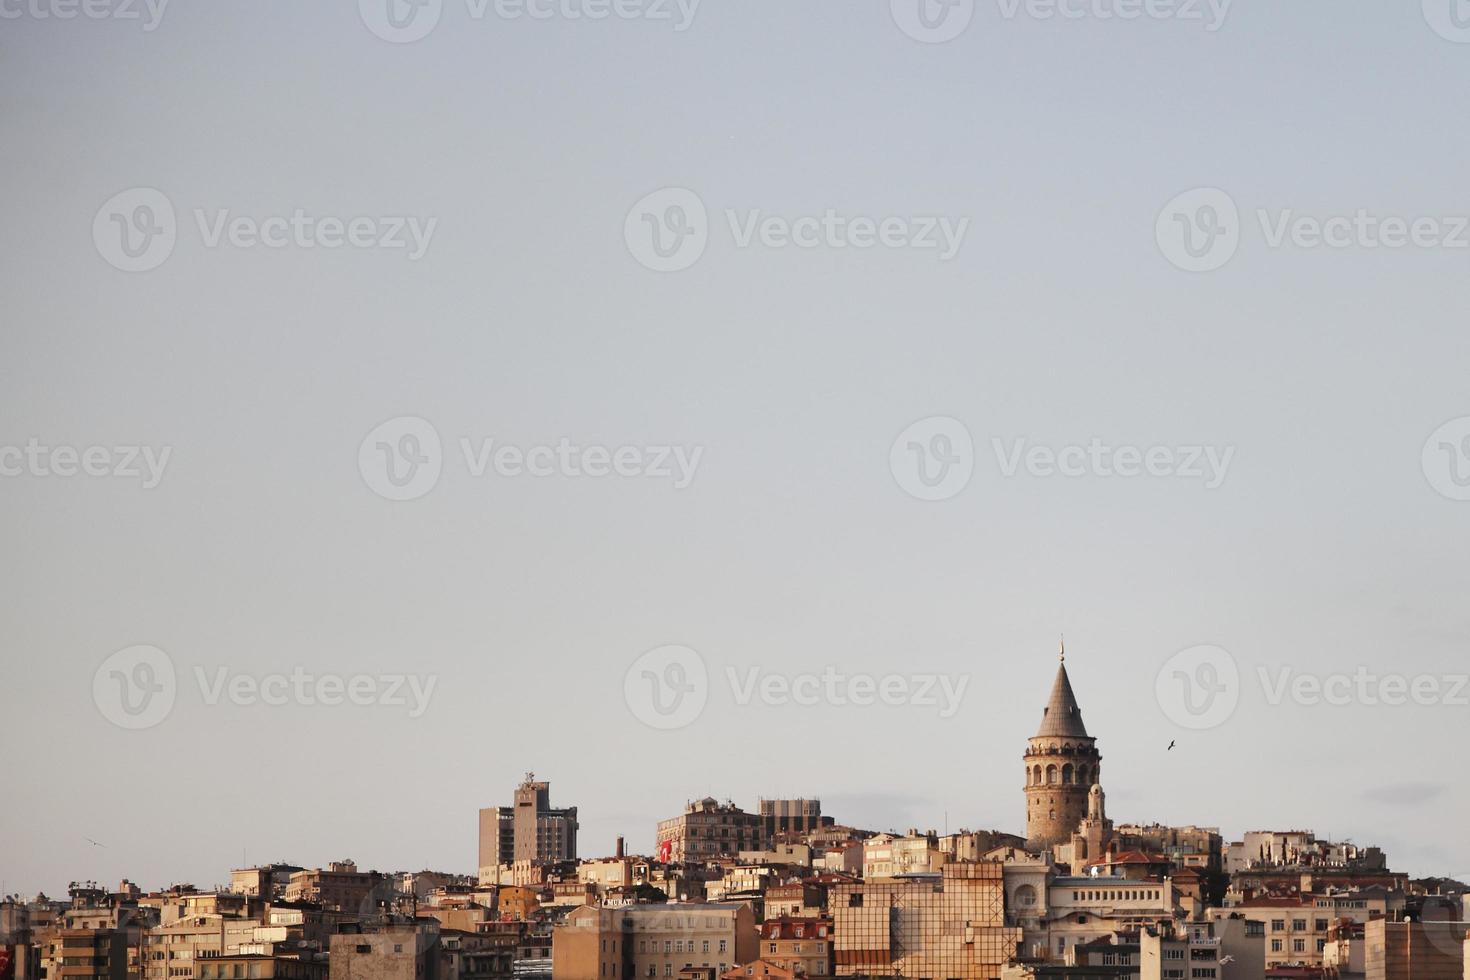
<point>520,147</point>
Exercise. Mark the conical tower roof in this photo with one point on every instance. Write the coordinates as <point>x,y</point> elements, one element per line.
<point>1061,717</point>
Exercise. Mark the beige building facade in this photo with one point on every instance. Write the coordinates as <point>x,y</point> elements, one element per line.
<point>644,941</point>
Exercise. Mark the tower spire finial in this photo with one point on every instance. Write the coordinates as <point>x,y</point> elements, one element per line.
<point>1062,656</point>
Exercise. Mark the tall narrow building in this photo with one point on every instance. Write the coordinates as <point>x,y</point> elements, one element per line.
<point>1062,764</point>
<point>528,831</point>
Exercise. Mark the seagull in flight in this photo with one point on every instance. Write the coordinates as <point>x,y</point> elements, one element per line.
<point>92,842</point>
<point>1171,746</point>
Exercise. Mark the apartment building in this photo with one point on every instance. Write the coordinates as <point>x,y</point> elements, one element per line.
<point>708,830</point>
<point>792,817</point>
<point>802,946</point>
<point>263,966</point>
<point>529,831</point>
<point>1202,848</point>
<point>173,949</point>
<point>262,881</point>
<point>887,855</point>
<point>642,941</point>
<point>1081,909</point>
<point>1297,927</point>
<point>797,900</point>
<point>84,954</point>
<point>1222,950</point>
<point>341,886</point>
<point>388,952</point>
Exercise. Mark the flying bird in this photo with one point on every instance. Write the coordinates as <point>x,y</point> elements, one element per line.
<point>92,842</point>
<point>1171,746</point>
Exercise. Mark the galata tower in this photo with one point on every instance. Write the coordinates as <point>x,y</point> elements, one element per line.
<point>1062,764</point>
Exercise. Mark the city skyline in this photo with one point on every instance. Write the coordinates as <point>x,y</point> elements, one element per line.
<point>726,399</point>
<point>1061,701</point>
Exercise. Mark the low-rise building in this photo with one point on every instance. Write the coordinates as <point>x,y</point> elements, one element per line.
<point>803,946</point>
<point>1081,909</point>
<point>387,952</point>
<point>888,855</point>
<point>652,940</point>
<point>339,886</point>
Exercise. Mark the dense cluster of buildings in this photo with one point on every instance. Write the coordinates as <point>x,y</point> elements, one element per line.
<point>786,892</point>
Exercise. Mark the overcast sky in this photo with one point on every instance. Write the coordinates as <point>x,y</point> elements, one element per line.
<point>1302,511</point>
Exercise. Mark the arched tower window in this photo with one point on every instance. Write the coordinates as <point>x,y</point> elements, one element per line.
<point>1051,775</point>
<point>1067,774</point>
